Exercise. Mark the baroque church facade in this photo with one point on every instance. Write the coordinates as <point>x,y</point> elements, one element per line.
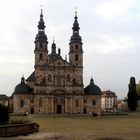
<point>56,85</point>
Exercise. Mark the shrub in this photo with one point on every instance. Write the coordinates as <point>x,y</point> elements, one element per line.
<point>132,95</point>
<point>4,114</point>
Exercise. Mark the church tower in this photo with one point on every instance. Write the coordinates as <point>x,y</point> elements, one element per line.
<point>41,43</point>
<point>76,53</point>
<point>75,45</point>
<point>41,56</point>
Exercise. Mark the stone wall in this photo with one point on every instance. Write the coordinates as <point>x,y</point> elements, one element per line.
<point>18,129</point>
<point>93,107</point>
<point>48,104</point>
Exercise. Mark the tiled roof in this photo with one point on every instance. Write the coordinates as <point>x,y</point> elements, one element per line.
<point>108,93</point>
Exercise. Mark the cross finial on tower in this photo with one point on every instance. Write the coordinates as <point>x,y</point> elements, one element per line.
<point>91,80</point>
<point>53,39</point>
<point>22,79</point>
<point>76,11</point>
<point>41,8</point>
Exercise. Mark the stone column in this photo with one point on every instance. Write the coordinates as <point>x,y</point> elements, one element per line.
<point>71,106</point>
<point>46,104</point>
<point>52,105</point>
<point>66,105</point>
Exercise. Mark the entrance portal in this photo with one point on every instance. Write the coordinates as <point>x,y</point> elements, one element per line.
<point>32,110</point>
<point>85,110</point>
<point>59,109</point>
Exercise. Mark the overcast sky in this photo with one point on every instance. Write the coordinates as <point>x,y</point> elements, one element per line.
<point>110,31</point>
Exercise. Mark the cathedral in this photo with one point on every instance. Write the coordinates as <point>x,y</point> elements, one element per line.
<point>56,84</point>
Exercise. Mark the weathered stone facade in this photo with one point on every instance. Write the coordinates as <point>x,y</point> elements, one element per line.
<point>56,85</point>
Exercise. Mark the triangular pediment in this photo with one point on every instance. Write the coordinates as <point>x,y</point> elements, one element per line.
<point>60,62</point>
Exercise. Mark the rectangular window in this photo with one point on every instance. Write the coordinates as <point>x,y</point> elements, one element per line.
<point>77,103</point>
<point>76,47</point>
<point>60,80</point>
<point>22,103</point>
<point>94,103</point>
<point>76,57</point>
<point>41,45</point>
<point>40,57</point>
<point>68,78</point>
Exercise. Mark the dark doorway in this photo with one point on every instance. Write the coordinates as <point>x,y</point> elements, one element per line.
<point>59,109</point>
<point>85,110</point>
<point>32,110</point>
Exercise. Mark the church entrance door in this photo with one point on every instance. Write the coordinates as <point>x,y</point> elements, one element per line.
<point>85,110</point>
<point>59,109</point>
<point>32,110</point>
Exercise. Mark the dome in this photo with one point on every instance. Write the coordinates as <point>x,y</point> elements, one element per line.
<point>92,89</point>
<point>75,38</point>
<point>41,35</point>
<point>22,87</point>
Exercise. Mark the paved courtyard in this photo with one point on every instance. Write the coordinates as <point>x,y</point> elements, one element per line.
<point>120,127</point>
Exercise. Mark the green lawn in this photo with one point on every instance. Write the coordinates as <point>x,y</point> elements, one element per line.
<point>88,128</point>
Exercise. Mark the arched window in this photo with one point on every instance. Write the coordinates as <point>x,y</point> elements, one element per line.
<point>68,78</point>
<point>49,78</point>
<point>85,101</point>
<point>41,45</point>
<point>43,81</point>
<point>94,103</point>
<point>40,102</point>
<point>74,81</point>
<point>59,80</point>
<point>76,57</point>
<point>22,103</point>
<point>40,57</point>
